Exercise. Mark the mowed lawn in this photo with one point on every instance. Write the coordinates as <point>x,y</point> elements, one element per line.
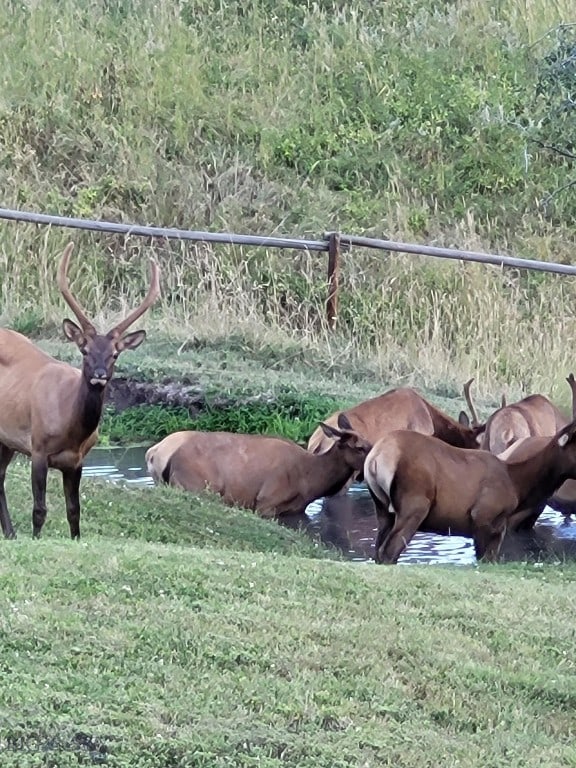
<point>235,642</point>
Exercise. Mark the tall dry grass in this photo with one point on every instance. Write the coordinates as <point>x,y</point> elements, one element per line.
<point>403,318</point>
<point>409,120</point>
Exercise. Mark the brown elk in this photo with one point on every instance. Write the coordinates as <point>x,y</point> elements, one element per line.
<point>510,433</point>
<point>401,408</point>
<point>51,410</point>
<point>534,415</point>
<point>419,483</point>
<point>271,475</point>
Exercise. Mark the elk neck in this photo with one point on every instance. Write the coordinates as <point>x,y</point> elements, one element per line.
<point>328,472</point>
<point>538,476</point>
<point>451,431</point>
<point>89,406</point>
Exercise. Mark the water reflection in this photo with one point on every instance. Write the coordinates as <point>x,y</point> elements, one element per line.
<point>125,465</point>
<point>348,522</point>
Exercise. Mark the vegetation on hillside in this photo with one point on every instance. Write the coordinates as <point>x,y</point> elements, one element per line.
<point>435,121</point>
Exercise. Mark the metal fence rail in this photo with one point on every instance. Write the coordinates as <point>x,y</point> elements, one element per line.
<point>332,243</point>
<point>454,253</point>
<point>164,232</point>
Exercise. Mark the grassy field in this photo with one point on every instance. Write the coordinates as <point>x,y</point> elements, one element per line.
<point>182,634</point>
<point>170,638</point>
<point>245,389</point>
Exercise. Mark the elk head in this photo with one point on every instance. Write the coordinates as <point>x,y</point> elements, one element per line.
<point>100,351</point>
<point>356,447</point>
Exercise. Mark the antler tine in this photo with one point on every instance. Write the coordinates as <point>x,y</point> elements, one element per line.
<point>503,400</point>
<point>151,296</point>
<point>469,403</point>
<point>64,287</point>
<point>572,382</point>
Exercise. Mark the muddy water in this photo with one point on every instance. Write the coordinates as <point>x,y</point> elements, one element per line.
<point>348,522</point>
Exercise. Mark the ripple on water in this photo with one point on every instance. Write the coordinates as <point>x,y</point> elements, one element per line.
<point>348,522</point>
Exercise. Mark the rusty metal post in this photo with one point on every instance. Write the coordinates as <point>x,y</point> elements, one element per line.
<point>333,278</point>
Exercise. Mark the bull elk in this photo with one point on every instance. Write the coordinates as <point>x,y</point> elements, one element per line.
<point>270,475</point>
<point>534,415</point>
<point>401,408</point>
<point>51,410</point>
<point>510,434</point>
<point>419,483</point>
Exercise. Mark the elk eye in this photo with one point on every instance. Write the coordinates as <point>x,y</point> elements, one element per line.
<point>115,355</point>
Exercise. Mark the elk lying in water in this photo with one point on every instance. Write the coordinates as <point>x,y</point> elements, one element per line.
<point>419,483</point>
<point>401,408</point>
<point>50,410</point>
<point>510,434</point>
<point>268,474</point>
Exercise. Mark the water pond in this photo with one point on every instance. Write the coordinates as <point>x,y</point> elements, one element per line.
<point>348,523</point>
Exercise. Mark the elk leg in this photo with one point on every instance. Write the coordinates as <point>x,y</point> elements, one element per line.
<point>525,519</point>
<point>408,521</point>
<point>71,482</point>
<point>39,474</point>
<point>488,537</point>
<point>6,455</point>
<point>385,522</point>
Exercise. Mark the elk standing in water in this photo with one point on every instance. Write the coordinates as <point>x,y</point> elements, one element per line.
<point>514,432</point>
<point>419,483</point>
<point>51,410</point>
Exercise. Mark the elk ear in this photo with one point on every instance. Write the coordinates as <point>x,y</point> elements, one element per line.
<point>73,332</point>
<point>130,341</point>
<point>344,422</point>
<point>329,431</point>
<point>464,419</point>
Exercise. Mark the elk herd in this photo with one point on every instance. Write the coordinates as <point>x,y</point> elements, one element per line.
<point>425,471</point>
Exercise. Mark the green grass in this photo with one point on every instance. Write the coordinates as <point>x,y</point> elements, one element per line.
<point>162,514</point>
<point>286,414</point>
<point>141,654</point>
<point>180,633</point>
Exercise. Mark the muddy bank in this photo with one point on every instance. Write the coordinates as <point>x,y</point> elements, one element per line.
<point>123,393</point>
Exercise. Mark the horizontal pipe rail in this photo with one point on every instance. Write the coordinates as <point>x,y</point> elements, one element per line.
<point>165,232</point>
<point>345,241</point>
<point>453,253</point>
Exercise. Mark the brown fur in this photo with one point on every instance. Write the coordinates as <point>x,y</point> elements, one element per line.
<point>511,425</point>
<point>50,410</point>
<point>270,475</point>
<point>418,482</point>
<point>534,415</point>
<point>402,408</point>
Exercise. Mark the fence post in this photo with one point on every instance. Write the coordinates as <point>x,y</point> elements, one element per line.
<point>333,276</point>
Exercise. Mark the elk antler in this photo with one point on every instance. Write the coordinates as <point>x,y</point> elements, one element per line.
<point>85,323</point>
<point>152,295</point>
<point>473,414</point>
<point>570,379</point>
<point>503,400</point>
